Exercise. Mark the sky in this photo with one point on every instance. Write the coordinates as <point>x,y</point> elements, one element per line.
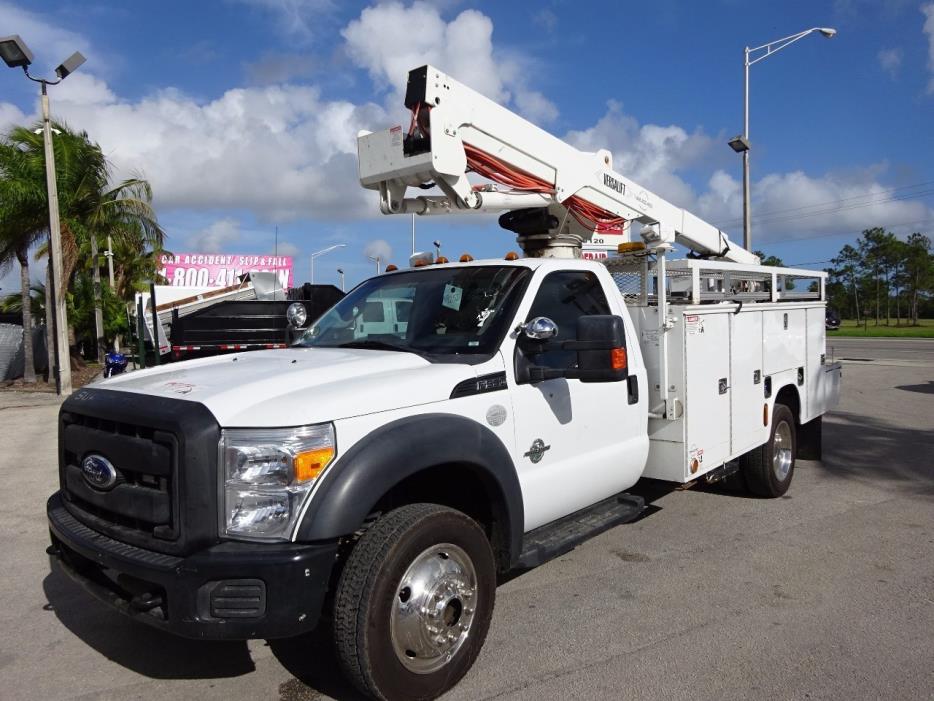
<point>243,114</point>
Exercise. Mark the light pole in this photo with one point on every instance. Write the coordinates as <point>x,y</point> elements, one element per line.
<point>740,143</point>
<point>341,273</point>
<point>376,259</point>
<point>16,54</point>
<point>316,254</point>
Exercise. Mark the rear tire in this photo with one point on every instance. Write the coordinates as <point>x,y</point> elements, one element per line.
<point>769,468</point>
<point>414,603</point>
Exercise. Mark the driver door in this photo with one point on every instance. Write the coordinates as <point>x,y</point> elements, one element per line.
<point>576,442</point>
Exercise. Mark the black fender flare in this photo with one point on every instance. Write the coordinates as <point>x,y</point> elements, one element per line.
<point>352,486</point>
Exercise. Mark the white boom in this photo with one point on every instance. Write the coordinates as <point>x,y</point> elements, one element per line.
<point>557,195</point>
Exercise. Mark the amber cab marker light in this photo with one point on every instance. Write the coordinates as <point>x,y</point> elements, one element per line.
<point>466,258</point>
<point>421,262</point>
<point>441,260</point>
<point>390,268</point>
<point>618,358</point>
<point>512,255</point>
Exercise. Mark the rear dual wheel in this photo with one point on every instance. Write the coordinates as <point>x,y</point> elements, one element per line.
<point>414,602</point>
<point>769,468</point>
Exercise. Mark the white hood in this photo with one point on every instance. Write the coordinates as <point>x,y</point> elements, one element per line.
<point>298,386</point>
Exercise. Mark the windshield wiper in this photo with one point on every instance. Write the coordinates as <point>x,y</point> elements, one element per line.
<point>375,345</point>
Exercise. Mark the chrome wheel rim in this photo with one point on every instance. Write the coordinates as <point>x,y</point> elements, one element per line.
<point>433,608</point>
<point>782,451</point>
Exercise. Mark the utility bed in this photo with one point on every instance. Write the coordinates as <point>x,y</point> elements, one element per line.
<point>733,333</point>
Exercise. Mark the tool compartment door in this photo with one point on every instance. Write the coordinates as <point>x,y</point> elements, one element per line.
<point>746,393</point>
<point>707,373</point>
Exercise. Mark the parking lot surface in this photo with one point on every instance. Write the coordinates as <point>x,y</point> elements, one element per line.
<point>827,592</point>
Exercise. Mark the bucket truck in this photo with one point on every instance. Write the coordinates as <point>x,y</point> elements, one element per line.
<point>449,422</point>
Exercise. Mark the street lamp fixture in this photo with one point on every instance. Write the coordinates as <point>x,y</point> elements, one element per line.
<point>341,273</point>
<point>316,254</point>
<point>740,143</point>
<point>16,54</point>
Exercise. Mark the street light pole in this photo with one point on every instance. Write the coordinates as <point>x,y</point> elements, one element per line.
<point>16,54</point>
<point>341,273</point>
<point>747,214</point>
<point>740,144</point>
<point>60,315</point>
<point>316,254</point>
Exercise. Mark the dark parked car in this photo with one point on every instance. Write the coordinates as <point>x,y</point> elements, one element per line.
<point>832,319</point>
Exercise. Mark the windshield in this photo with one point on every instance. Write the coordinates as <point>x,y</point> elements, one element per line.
<point>440,310</point>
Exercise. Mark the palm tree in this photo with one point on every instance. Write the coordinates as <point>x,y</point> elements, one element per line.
<point>22,195</point>
<point>89,205</point>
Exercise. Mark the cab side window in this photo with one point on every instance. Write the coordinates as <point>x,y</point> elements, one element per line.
<point>564,297</point>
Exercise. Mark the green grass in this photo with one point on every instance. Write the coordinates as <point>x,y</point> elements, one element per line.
<point>848,327</point>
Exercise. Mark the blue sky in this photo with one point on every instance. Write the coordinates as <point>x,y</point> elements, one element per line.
<point>243,113</point>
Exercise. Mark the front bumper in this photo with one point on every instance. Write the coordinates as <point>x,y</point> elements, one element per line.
<point>233,591</point>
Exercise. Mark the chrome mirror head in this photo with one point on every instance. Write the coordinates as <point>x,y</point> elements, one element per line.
<point>541,328</point>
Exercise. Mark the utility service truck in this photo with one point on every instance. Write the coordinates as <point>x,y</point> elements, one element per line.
<point>378,477</point>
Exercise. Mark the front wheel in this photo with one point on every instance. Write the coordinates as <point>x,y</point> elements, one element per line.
<point>769,468</point>
<point>414,602</point>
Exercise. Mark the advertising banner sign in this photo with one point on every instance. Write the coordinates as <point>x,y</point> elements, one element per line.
<point>221,269</point>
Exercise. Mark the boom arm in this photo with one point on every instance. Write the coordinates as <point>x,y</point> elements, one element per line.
<point>455,130</point>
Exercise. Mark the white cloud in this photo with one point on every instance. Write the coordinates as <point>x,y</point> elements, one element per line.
<point>795,205</point>
<point>281,151</point>
<point>284,248</point>
<point>890,60</point>
<point>928,11</point>
<point>297,19</point>
<point>216,236</point>
<point>10,115</point>
<point>378,248</point>
<point>784,205</point>
<point>463,48</point>
<point>650,154</point>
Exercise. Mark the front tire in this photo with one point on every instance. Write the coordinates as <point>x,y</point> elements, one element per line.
<point>414,602</point>
<point>769,468</point>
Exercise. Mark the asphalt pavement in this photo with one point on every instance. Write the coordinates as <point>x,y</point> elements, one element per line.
<point>826,593</point>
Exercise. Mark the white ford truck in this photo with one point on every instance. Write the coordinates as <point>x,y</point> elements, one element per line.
<point>380,477</point>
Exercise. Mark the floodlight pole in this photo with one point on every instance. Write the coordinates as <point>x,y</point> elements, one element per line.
<point>60,313</point>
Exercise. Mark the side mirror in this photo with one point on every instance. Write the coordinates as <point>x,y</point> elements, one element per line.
<point>541,328</point>
<point>601,352</point>
<point>601,349</point>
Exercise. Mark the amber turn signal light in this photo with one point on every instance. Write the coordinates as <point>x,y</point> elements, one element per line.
<point>618,358</point>
<point>311,463</point>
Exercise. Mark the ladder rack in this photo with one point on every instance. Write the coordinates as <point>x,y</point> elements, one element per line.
<point>696,281</point>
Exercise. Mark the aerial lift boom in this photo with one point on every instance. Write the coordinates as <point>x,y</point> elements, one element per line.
<point>555,196</point>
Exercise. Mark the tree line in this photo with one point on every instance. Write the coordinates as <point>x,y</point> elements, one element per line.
<point>882,277</point>
<point>92,210</point>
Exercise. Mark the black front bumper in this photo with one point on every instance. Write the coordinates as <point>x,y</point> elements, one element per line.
<point>233,591</point>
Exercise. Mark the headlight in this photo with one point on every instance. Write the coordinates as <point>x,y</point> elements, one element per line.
<point>268,474</point>
<point>296,314</point>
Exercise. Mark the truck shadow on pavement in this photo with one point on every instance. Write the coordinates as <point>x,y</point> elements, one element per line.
<point>136,646</point>
<point>311,658</point>
<point>873,450</point>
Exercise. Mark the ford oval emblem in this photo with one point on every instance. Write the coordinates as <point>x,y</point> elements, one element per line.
<point>99,472</point>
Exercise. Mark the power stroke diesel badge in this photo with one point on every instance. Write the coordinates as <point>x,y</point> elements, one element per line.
<point>99,472</point>
<point>538,450</point>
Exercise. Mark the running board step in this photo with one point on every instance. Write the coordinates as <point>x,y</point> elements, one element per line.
<point>565,534</point>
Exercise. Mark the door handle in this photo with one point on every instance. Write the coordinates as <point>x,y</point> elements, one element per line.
<point>723,384</point>
<point>632,385</point>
